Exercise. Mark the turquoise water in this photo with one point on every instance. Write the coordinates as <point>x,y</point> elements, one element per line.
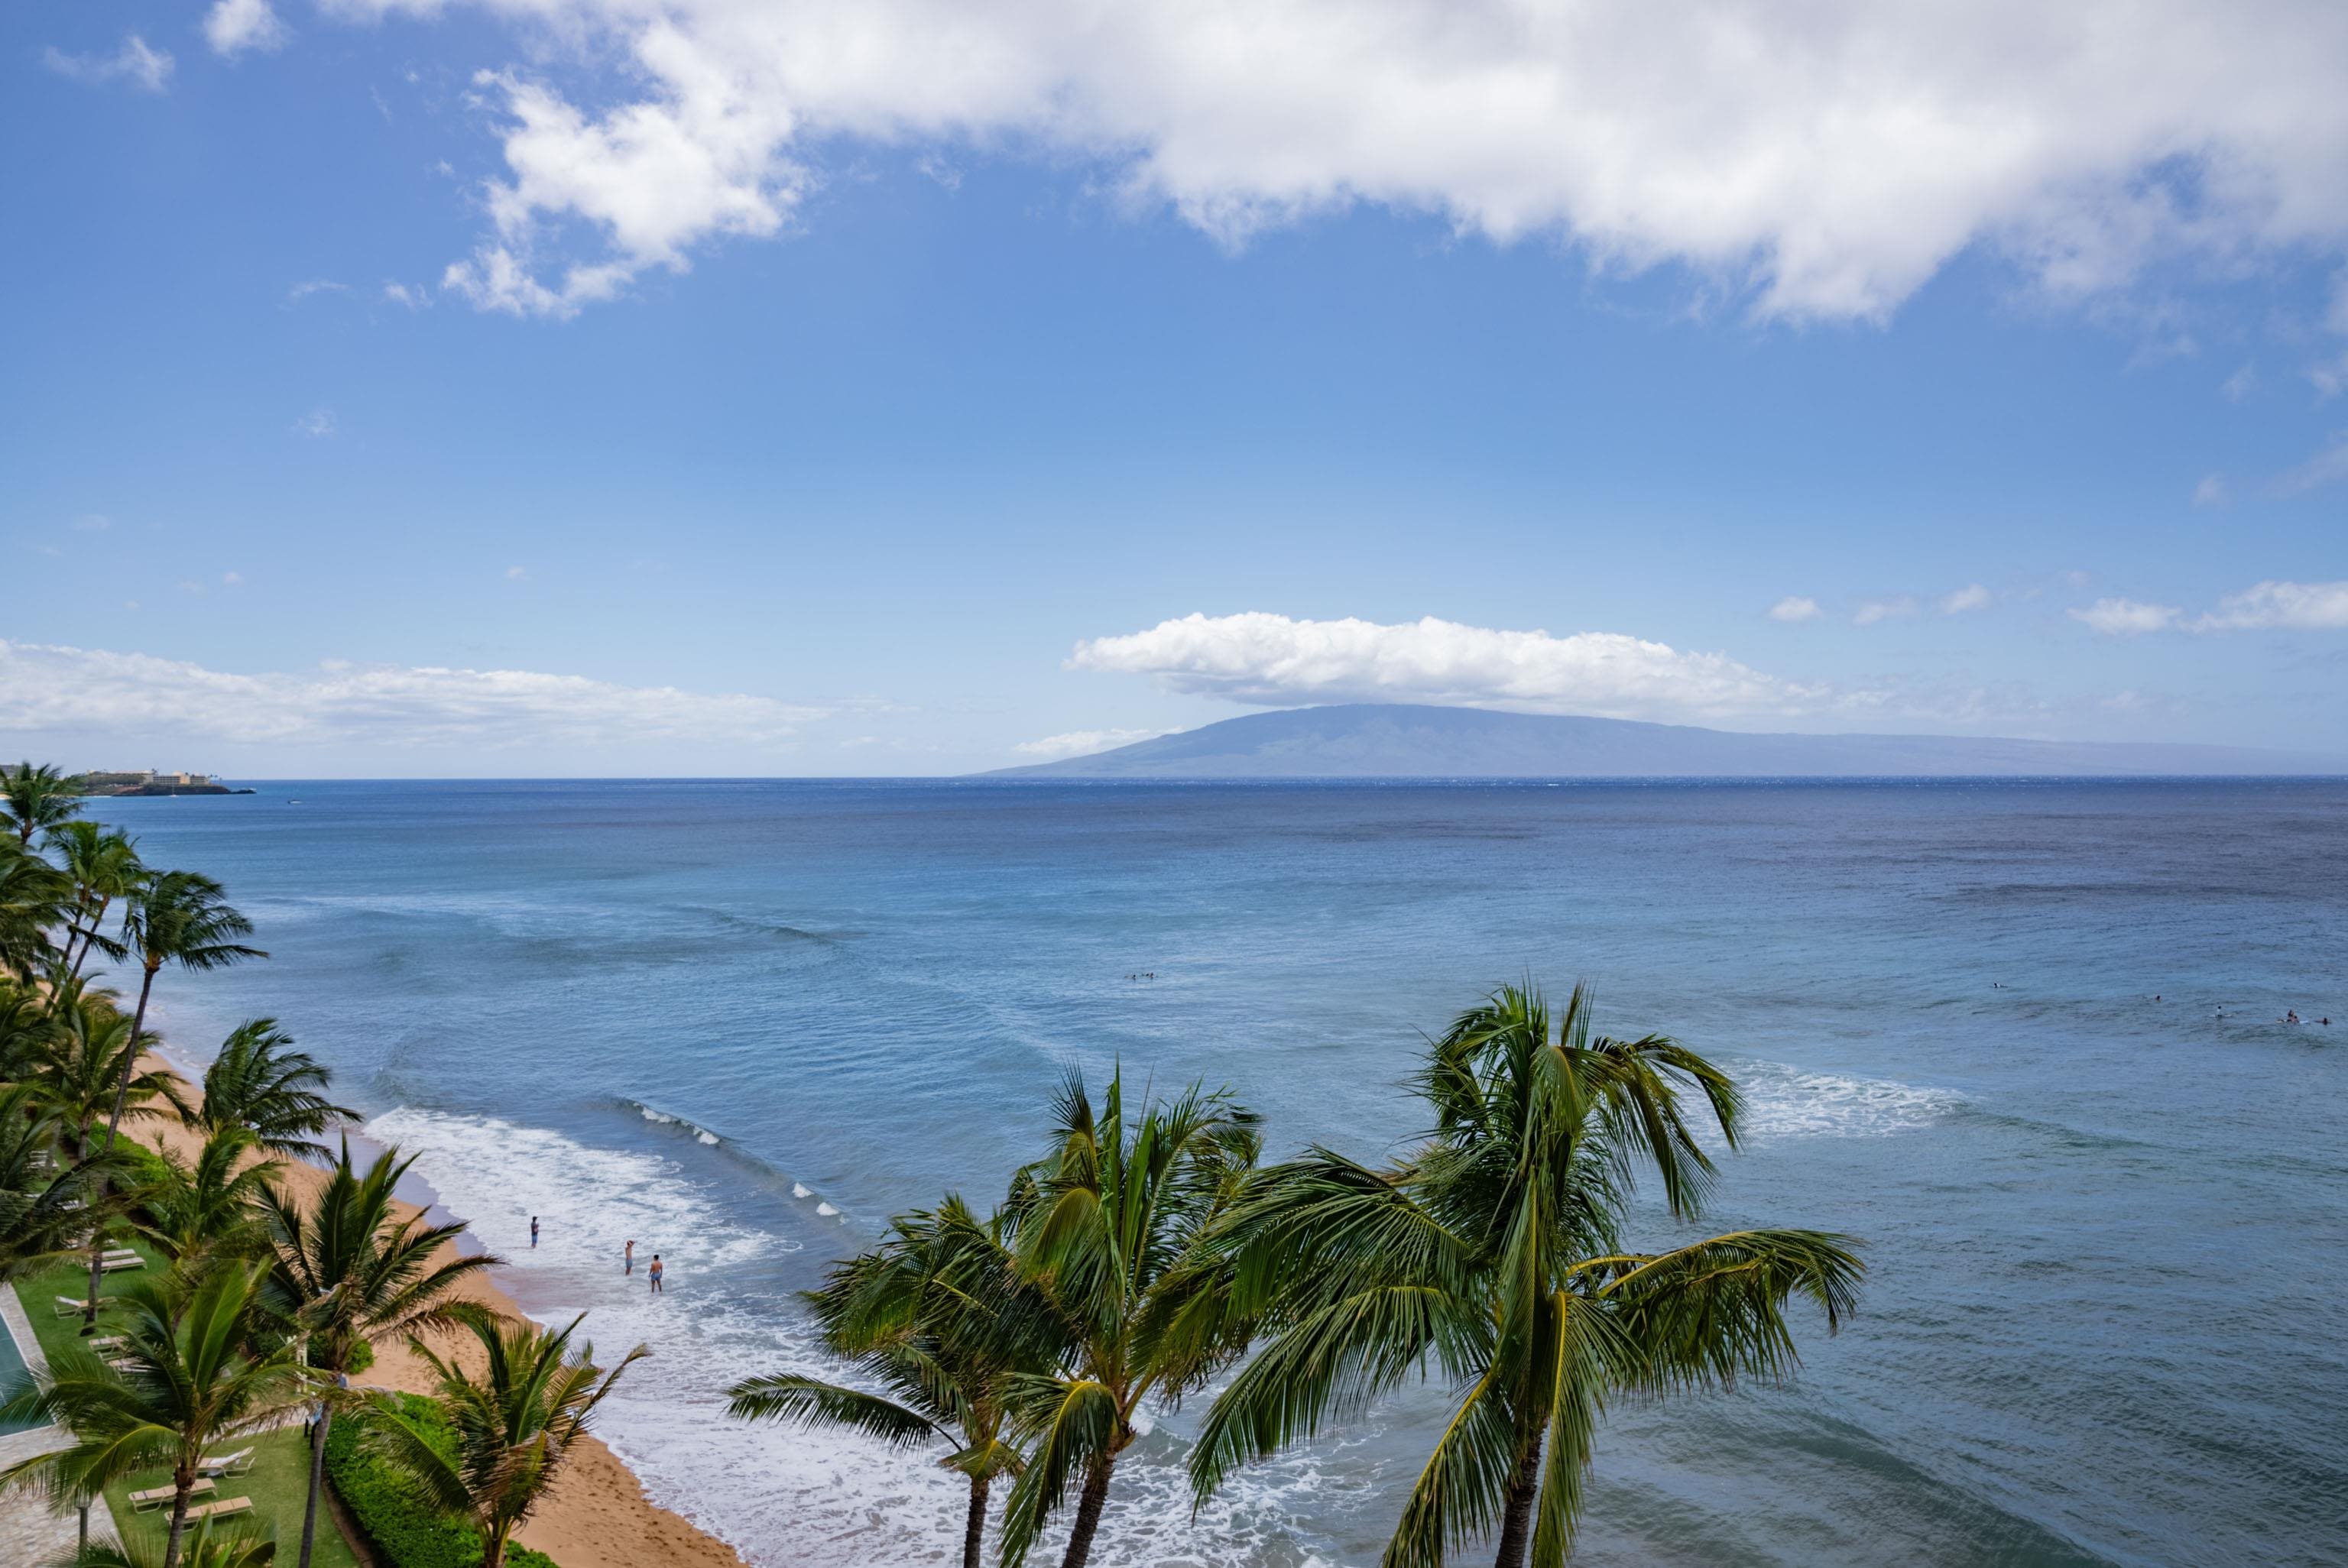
<point>12,1373</point>
<point>742,1023</point>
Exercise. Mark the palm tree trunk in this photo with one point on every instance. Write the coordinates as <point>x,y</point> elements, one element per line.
<point>1517,1511</point>
<point>493,1548</point>
<point>317,1478</point>
<point>1088,1511</point>
<point>973,1533</point>
<point>182,1482</point>
<point>121,1093</point>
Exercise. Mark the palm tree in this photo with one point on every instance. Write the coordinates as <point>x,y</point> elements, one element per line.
<point>45,1206</point>
<point>933,1317</point>
<point>259,1082</point>
<point>353,1271</point>
<point>38,799</point>
<point>1493,1250</point>
<point>102,864</point>
<point>202,1369</point>
<point>82,1053</point>
<point>1110,1227</point>
<point>202,1211</point>
<point>179,917</point>
<point>227,1546</point>
<point>513,1426</point>
<point>34,899</point>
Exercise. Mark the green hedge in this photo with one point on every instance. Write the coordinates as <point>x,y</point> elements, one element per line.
<point>403,1531</point>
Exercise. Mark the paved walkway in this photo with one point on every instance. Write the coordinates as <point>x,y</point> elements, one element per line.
<point>29,1534</point>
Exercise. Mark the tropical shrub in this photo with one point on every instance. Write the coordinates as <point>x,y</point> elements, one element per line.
<point>402,1528</point>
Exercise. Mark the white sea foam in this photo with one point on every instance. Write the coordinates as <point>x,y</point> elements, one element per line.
<point>782,1496</point>
<point>801,1190</point>
<point>1782,1102</point>
<point>826,1210</point>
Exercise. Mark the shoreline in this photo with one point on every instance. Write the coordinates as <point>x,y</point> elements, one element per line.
<point>598,1514</point>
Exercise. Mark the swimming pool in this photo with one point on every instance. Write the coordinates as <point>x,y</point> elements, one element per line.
<point>11,1368</point>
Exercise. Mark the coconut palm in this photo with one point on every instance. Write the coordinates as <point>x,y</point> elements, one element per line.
<point>259,1082</point>
<point>38,799</point>
<point>25,1031</point>
<point>1109,1228</point>
<point>1493,1250</point>
<point>36,898</point>
<point>209,1545</point>
<point>79,1056</point>
<point>198,1212</point>
<point>199,1367</point>
<point>174,917</point>
<point>103,865</point>
<point>353,1270</point>
<point>45,1203</point>
<point>513,1425</point>
<point>933,1316</point>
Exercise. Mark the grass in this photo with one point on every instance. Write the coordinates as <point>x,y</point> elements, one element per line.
<point>279,1484</point>
<point>280,1481</point>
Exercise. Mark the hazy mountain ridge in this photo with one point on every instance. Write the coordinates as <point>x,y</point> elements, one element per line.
<point>1412,741</point>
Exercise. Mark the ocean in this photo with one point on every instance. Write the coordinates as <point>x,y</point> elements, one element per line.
<point>2024,1039</point>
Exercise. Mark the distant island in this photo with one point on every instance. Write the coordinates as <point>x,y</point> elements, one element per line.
<point>149,781</point>
<point>1414,741</point>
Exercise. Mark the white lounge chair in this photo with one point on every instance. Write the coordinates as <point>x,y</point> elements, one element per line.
<point>234,1505</point>
<point>117,1265</point>
<point>106,1342</point>
<point>71,1306</point>
<point>237,1463</point>
<point>156,1496</point>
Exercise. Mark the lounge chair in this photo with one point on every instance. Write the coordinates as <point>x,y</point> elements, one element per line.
<point>106,1342</point>
<point>117,1265</point>
<point>71,1306</point>
<point>156,1496</point>
<point>237,1463</point>
<point>234,1505</point>
<point>122,1363</point>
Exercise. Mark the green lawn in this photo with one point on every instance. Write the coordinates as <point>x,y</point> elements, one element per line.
<point>281,1474</point>
<point>278,1484</point>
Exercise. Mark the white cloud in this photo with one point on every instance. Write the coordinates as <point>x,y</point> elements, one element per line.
<point>147,70</point>
<point>516,573</point>
<point>414,298</point>
<point>2128,617</point>
<point>318,421</point>
<point>2295,606</point>
<point>2239,385</point>
<point>1872,610</point>
<point>1828,158</point>
<point>233,578</point>
<point>1974,596</point>
<point>1273,660</point>
<point>1084,742</point>
<point>1795,607</point>
<point>49,688</point>
<point>2328,466</point>
<point>2211,491</point>
<point>232,26</point>
<point>302,290</point>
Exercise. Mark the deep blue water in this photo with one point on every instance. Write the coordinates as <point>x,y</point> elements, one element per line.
<point>2108,1234</point>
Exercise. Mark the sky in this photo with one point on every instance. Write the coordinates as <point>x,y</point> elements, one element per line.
<point>690,387</point>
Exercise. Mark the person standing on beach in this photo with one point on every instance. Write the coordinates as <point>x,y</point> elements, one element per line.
<point>533,1232</point>
<point>628,1263</point>
<point>655,1271</point>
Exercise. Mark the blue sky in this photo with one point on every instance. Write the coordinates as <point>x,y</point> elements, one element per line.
<point>402,388</point>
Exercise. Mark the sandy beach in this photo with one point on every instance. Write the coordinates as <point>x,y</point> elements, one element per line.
<point>597,1514</point>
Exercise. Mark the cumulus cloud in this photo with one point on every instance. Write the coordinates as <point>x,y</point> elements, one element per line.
<point>1795,607</point>
<point>1828,158</point>
<point>2328,466</point>
<point>1273,660</point>
<point>234,26</point>
<point>2211,491</point>
<point>1084,742</point>
<point>2128,617</point>
<point>147,70</point>
<point>1873,610</point>
<point>1973,597</point>
<point>2293,605</point>
<point>318,421</point>
<point>47,687</point>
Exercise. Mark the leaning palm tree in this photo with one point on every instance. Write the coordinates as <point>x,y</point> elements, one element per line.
<point>513,1425</point>
<point>199,1365</point>
<point>1110,1227</point>
<point>259,1082</point>
<point>36,799</point>
<point>352,1269</point>
<point>174,917</point>
<point>198,1212</point>
<point>103,865</point>
<point>933,1316</point>
<point>1494,1251</point>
